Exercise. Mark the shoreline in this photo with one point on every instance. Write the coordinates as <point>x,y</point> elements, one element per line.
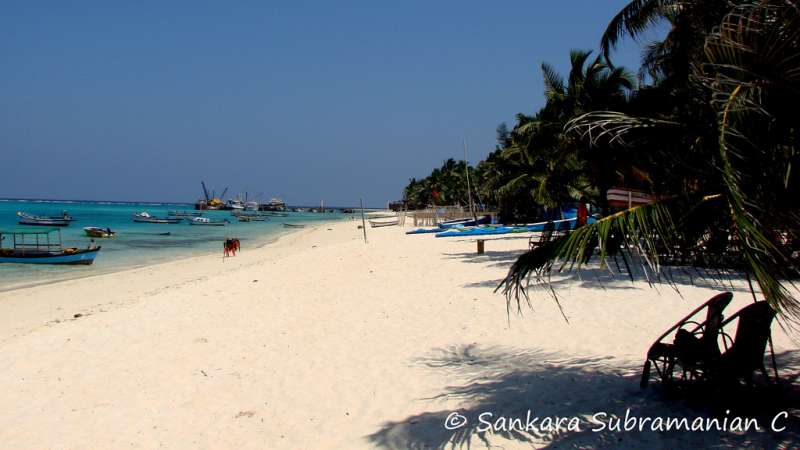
<point>273,237</point>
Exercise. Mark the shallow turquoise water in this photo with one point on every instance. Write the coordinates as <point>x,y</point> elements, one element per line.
<point>136,244</point>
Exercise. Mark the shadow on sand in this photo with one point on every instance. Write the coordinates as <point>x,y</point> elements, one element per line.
<point>612,276</point>
<point>508,383</point>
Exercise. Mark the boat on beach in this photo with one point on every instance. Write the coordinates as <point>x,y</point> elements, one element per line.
<point>37,247</point>
<point>293,225</point>
<point>465,222</point>
<point>208,222</point>
<point>145,217</point>
<point>97,232</point>
<point>30,219</point>
<point>382,223</point>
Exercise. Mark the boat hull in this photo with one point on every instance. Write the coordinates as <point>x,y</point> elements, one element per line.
<point>45,223</point>
<point>80,257</point>
<point>98,233</point>
<point>391,223</point>
<point>157,221</point>
<point>209,224</point>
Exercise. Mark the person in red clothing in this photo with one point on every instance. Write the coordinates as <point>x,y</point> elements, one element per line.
<point>583,213</point>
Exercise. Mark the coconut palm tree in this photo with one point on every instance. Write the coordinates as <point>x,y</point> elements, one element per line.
<point>738,208</point>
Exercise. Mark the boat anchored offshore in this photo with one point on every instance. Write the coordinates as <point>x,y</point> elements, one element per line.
<point>30,219</point>
<point>98,232</point>
<point>145,217</point>
<point>208,222</point>
<point>37,247</point>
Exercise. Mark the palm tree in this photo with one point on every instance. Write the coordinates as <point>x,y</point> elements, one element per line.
<point>690,21</point>
<point>739,206</point>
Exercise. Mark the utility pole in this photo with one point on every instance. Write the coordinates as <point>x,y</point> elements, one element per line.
<point>469,191</point>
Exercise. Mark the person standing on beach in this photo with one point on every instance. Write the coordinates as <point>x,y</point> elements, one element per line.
<point>583,213</point>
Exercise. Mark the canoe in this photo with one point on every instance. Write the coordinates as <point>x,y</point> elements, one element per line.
<point>30,219</point>
<point>465,222</point>
<point>491,230</point>
<point>99,232</point>
<point>207,222</point>
<point>424,231</point>
<point>378,224</point>
<point>293,225</point>
<point>145,217</point>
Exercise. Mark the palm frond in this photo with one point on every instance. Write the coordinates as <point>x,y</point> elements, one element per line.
<point>632,20</point>
<point>615,127</point>
<point>643,233</point>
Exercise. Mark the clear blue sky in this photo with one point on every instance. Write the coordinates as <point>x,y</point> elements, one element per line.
<point>302,100</point>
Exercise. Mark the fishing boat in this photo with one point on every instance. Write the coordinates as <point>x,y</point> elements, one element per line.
<point>293,225</point>
<point>235,204</point>
<point>98,232</point>
<point>251,217</point>
<point>145,217</point>
<point>37,247</point>
<point>382,223</point>
<point>30,219</point>
<point>207,222</point>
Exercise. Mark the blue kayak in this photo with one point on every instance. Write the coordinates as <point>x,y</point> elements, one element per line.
<point>465,222</point>
<point>424,231</point>
<point>484,231</point>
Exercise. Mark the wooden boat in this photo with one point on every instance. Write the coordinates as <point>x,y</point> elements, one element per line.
<point>98,232</point>
<point>251,218</point>
<point>145,217</point>
<point>207,222</point>
<point>30,219</point>
<point>293,225</point>
<point>378,224</point>
<point>37,247</point>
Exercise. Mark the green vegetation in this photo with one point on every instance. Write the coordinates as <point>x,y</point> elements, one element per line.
<point>711,132</point>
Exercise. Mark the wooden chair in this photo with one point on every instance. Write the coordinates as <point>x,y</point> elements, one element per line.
<point>694,341</point>
<point>744,353</point>
<point>544,237</point>
<point>563,229</point>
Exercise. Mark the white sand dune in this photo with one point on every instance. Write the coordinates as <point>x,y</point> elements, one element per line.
<point>322,341</point>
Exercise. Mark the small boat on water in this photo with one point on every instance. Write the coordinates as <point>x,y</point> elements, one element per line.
<point>208,222</point>
<point>37,247</point>
<point>30,219</point>
<point>145,217</point>
<point>251,218</point>
<point>293,225</point>
<point>382,223</point>
<point>98,232</point>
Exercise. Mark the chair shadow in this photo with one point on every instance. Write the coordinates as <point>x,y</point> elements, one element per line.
<point>507,383</point>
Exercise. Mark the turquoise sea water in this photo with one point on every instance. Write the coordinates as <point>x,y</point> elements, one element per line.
<point>137,244</point>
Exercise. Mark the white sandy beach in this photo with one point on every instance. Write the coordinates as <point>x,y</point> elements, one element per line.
<point>321,341</point>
